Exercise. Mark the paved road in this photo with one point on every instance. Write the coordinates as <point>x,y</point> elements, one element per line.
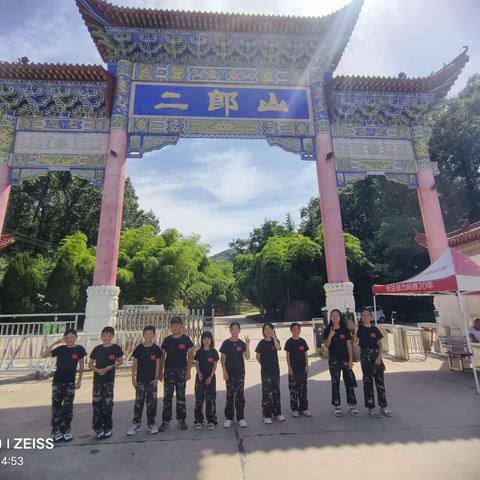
<point>435,433</point>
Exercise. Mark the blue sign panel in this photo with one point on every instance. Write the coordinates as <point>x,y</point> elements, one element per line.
<point>220,101</point>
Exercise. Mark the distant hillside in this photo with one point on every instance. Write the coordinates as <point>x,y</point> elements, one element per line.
<point>226,255</point>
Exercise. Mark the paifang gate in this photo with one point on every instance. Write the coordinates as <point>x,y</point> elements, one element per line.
<point>174,74</point>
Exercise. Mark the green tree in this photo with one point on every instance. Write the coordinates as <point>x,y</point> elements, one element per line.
<point>71,275</point>
<point>21,285</point>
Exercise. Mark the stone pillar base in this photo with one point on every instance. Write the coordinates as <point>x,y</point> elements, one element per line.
<point>340,295</point>
<point>101,309</point>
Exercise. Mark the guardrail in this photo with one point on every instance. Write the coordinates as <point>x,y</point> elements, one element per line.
<point>21,343</point>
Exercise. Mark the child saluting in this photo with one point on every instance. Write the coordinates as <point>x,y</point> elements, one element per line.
<point>63,386</point>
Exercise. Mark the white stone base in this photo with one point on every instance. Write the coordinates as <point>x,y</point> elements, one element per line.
<point>340,295</point>
<point>101,309</point>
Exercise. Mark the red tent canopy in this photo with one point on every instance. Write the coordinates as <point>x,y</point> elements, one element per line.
<point>451,272</point>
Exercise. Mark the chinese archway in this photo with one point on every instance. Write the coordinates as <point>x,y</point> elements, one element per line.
<point>173,74</point>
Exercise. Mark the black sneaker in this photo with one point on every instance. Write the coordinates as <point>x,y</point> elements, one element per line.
<point>107,434</point>
<point>182,425</point>
<point>100,435</point>
<point>67,437</point>
<point>57,437</point>
<point>164,427</point>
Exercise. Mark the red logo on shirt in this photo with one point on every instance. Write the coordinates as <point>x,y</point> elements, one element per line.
<point>181,346</point>
<point>239,349</point>
<point>301,348</point>
<point>342,336</point>
<point>210,359</point>
<point>74,356</point>
<point>111,357</point>
<point>153,357</point>
<point>373,335</point>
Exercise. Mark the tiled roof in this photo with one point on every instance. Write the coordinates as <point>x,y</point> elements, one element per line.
<point>53,71</point>
<point>467,233</point>
<point>338,26</point>
<point>6,240</point>
<point>438,82</point>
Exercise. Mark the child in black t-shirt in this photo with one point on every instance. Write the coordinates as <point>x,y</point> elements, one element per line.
<point>104,359</point>
<point>145,376</point>
<point>175,370</point>
<point>340,361</point>
<point>233,352</point>
<point>373,368</point>
<point>267,356</point>
<point>297,360</point>
<point>63,386</point>
<point>206,359</point>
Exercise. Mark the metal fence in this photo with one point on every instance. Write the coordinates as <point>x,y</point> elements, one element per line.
<point>37,323</point>
<point>21,343</point>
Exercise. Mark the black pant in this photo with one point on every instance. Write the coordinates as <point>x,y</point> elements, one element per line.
<point>207,394</point>
<point>145,393</point>
<point>373,372</point>
<point>297,384</point>
<point>63,394</point>
<point>271,395</point>
<point>336,367</point>
<point>102,406</point>
<point>235,397</point>
<point>174,380</point>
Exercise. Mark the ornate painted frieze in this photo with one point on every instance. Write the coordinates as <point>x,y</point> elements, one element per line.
<point>374,109</point>
<point>56,98</point>
<point>209,48</point>
<point>82,124</point>
<point>246,75</point>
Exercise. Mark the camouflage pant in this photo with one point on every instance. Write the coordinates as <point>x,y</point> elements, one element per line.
<point>207,393</point>
<point>145,393</point>
<point>174,380</point>
<point>102,406</point>
<point>336,368</point>
<point>63,394</point>
<point>297,385</point>
<point>372,372</point>
<point>235,397</point>
<point>271,395</point>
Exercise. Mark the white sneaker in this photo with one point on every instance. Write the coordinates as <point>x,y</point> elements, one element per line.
<point>152,429</point>
<point>134,429</point>
<point>242,423</point>
<point>280,418</point>
<point>385,411</point>
<point>266,420</point>
<point>353,410</point>
<point>211,426</point>
<point>307,413</point>
<point>295,414</point>
<point>227,423</point>
<point>198,426</point>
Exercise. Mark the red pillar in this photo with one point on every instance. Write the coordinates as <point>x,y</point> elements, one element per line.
<point>432,217</point>
<point>111,214</point>
<point>335,256</point>
<point>4,193</point>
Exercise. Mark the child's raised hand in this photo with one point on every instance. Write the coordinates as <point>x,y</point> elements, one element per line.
<point>247,339</point>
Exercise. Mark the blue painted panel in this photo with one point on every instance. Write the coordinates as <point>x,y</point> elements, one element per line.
<point>219,101</point>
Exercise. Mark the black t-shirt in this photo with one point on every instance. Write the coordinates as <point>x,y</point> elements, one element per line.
<point>338,346</point>
<point>67,361</point>
<point>176,351</point>
<point>146,361</point>
<point>105,356</point>
<point>268,357</point>
<point>368,337</point>
<point>206,360</point>
<point>297,349</point>
<point>234,362</point>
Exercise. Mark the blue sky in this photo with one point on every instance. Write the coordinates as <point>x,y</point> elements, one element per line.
<point>221,189</point>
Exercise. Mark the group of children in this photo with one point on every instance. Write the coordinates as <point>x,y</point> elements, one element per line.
<point>171,363</point>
